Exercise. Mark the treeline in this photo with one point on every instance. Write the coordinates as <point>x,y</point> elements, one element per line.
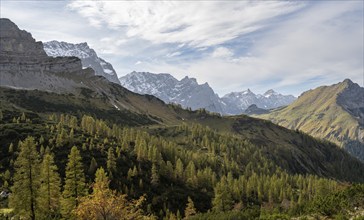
<point>180,171</point>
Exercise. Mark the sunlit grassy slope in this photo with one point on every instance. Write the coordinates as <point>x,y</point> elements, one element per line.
<point>318,113</point>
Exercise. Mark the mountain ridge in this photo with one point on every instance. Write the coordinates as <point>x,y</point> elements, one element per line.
<point>88,57</point>
<point>334,113</point>
<point>169,89</point>
<point>186,92</point>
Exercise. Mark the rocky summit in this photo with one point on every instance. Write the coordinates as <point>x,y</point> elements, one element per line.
<point>334,113</point>
<point>87,55</point>
<point>188,93</point>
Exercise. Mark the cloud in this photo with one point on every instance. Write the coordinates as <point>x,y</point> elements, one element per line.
<point>198,24</point>
<point>319,46</point>
<point>222,52</point>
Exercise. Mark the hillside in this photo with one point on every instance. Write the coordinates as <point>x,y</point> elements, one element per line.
<point>333,113</point>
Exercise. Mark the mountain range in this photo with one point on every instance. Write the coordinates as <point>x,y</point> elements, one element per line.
<point>186,92</point>
<point>189,93</point>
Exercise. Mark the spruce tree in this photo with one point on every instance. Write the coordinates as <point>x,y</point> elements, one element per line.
<point>75,186</point>
<point>111,162</point>
<point>190,208</point>
<point>26,180</point>
<point>155,176</point>
<point>50,190</point>
<point>93,166</point>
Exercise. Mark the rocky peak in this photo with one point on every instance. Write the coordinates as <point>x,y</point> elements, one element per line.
<point>348,82</point>
<point>18,43</point>
<point>187,80</point>
<point>186,91</point>
<point>270,92</point>
<point>87,55</point>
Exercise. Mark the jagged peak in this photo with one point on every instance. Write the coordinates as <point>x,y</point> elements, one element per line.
<point>270,92</point>
<point>188,79</point>
<point>348,82</point>
<point>78,45</point>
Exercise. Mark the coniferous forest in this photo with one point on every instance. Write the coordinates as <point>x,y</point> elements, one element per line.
<point>61,166</point>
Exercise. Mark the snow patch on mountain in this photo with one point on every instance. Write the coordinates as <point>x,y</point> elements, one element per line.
<point>87,55</point>
<point>186,91</point>
<point>189,93</point>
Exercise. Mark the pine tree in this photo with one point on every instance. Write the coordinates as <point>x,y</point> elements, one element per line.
<point>155,176</point>
<point>11,148</point>
<point>74,187</point>
<point>50,190</point>
<point>190,208</point>
<point>111,162</point>
<point>104,204</point>
<point>23,118</point>
<point>223,199</point>
<point>179,169</point>
<point>26,180</point>
<point>93,166</point>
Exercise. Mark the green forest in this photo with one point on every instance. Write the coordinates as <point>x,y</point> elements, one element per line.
<point>61,166</point>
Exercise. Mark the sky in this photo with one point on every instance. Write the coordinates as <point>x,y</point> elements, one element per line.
<point>288,46</point>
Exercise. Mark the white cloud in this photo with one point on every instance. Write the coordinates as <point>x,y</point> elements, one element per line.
<point>222,52</point>
<point>319,46</point>
<point>198,24</point>
<point>177,53</point>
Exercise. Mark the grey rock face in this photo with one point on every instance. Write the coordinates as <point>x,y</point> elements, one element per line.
<point>18,43</point>
<point>25,65</point>
<point>87,55</point>
<point>352,100</point>
<point>189,93</point>
<point>186,92</point>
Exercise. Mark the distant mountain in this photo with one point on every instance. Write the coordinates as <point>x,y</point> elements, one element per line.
<point>87,55</point>
<point>334,113</point>
<point>237,102</point>
<point>186,92</point>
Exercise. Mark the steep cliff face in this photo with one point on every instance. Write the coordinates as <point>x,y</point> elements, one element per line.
<point>18,43</point>
<point>25,65</point>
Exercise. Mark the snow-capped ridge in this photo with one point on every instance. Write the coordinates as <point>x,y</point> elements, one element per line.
<point>87,55</point>
<point>186,91</point>
<point>189,93</point>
